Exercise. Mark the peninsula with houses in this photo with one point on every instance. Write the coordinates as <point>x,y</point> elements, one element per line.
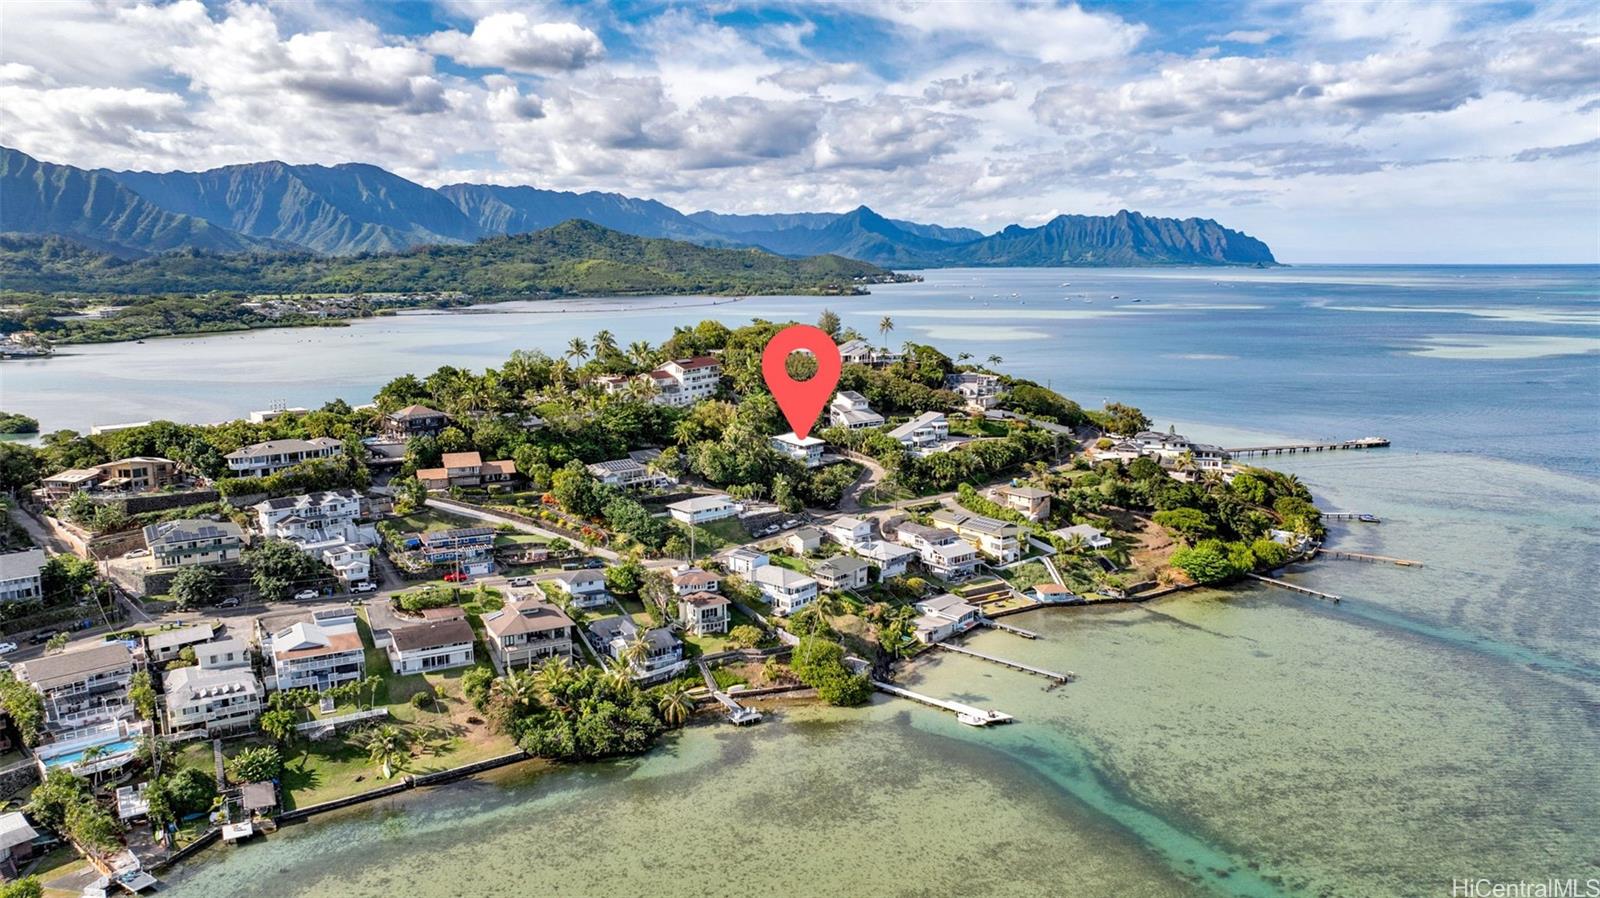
<point>215,630</point>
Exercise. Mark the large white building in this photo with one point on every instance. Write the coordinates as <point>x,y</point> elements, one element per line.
<point>261,459</point>
<point>430,646</point>
<point>324,526</point>
<point>702,509</point>
<point>191,541</point>
<point>83,690</point>
<point>942,552</point>
<point>943,616</point>
<point>219,695</point>
<point>978,389</point>
<point>807,451</point>
<point>850,409</point>
<point>924,432</point>
<point>995,538</point>
<point>788,591</point>
<point>686,381</point>
<point>19,576</point>
<point>316,653</point>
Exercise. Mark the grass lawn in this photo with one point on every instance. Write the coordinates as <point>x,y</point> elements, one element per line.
<point>1024,576</point>
<point>428,519</point>
<point>54,864</point>
<point>718,535</point>
<point>197,754</point>
<point>519,539</point>
<point>802,565</point>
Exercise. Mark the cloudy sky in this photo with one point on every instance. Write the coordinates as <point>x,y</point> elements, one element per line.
<point>1346,131</point>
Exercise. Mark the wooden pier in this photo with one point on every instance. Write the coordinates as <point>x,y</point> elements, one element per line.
<point>967,714</point>
<point>1305,590</point>
<point>993,624</point>
<point>1292,448</point>
<point>1361,516</point>
<point>1014,665</point>
<point>737,713</point>
<point>1363,556</point>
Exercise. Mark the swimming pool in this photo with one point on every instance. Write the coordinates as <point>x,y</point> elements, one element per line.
<point>107,750</point>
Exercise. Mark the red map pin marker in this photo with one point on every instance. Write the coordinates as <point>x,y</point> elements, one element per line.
<point>801,400</point>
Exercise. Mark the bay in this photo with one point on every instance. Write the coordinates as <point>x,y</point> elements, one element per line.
<point>1442,722</point>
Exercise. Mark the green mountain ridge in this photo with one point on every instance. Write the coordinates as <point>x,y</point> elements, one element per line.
<point>574,258</point>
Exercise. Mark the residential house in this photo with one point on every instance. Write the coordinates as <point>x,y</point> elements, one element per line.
<point>860,352</point>
<point>219,695</point>
<point>807,451</point>
<point>84,690</point>
<point>943,616</point>
<point>682,382</point>
<point>995,538</point>
<point>1091,536</point>
<point>313,517</point>
<point>19,575</point>
<point>586,587</point>
<point>848,531</point>
<point>663,657</point>
<point>981,391</point>
<point>19,843</point>
<point>433,645</point>
<point>955,560</point>
<point>189,541</point>
<point>693,580</point>
<point>223,653</point>
<point>1208,457</point>
<point>892,560</point>
<point>466,469</point>
<point>703,509</point>
<point>64,483</point>
<point>1171,447</point>
<point>923,433</point>
<point>849,409</point>
<point>318,652</point>
<point>803,540</point>
<point>703,613</point>
<point>841,572</point>
<point>352,564</point>
<point>261,459</point>
<point>743,560</point>
<point>788,591</point>
<point>140,474</point>
<point>165,645</point>
<point>470,548</point>
<point>414,420</point>
<point>627,473</point>
<point>920,536</point>
<point>528,632</point>
<point>1031,502</point>
<point>1052,593</point>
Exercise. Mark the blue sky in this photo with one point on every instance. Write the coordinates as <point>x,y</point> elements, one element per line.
<point>1347,131</point>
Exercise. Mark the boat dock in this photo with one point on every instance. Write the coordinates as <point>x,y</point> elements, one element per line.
<point>737,713</point>
<point>1363,556</point>
<point>1014,665</point>
<point>1292,448</point>
<point>993,624</point>
<point>1304,590</point>
<point>1363,517</point>
<point>967,714</point>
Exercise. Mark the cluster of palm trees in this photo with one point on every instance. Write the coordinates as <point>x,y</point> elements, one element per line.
<point>554,686</point>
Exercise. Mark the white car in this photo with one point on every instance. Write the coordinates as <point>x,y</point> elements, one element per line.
<point>305,594</point>
<point>7,648</point>
<point>364,586</point>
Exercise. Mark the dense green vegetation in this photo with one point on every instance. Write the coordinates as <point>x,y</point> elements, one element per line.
<point>65,803</point>
<point>190,291</point>
<point>14,423</point>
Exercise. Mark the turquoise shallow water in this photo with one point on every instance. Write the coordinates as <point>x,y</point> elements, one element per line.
<point>1442,722</point>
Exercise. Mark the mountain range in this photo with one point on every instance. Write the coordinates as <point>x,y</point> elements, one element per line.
<point>354,208</point>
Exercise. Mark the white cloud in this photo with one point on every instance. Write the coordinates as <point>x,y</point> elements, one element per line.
<point>1244,37</point>
<point>513,41</point>
<point>971,90</point>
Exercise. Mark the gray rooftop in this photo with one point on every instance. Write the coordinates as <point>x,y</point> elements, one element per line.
<point>70,667</point>
<point>23,565</point>
<point>188,530</point>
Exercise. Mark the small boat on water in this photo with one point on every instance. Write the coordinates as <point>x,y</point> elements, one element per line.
<point>1135,300</point>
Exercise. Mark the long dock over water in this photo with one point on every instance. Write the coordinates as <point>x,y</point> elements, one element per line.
<point>967,714</point>
<point>1291,448</point>
<point>993,624</point>
<point>1363,556</point>
<point>1304,590</point>
<point>1014,665</point>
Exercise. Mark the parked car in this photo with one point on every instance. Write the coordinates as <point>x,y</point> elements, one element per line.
<point>593,564</point>
<point>42,637</point>
<point>305,594</point>
<point>7,648</point>
<point>364,586</point>
<point>455,577</point>
<point>137,553</point>
<point>520,581</point>
<point>229,602</point>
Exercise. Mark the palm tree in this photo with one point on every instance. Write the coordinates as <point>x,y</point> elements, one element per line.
<point>963,356</point>
<point>995,360</point>
<point>605,343</point>
<point>517,691</point>
<point>637,653</point>
<point>554,678</point>
<point>897,638</point>
<point>577,349</point>
<point>641,353</point>
<point>386,747</point>
<point>619,675</point>
<point>675,705</point>
<point>885,325</point>
<point>90,755</point>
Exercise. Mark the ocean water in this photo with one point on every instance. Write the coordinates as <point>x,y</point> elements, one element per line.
<point>1442,722</point>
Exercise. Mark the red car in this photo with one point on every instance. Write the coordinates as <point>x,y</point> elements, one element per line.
<point>455,577</point>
